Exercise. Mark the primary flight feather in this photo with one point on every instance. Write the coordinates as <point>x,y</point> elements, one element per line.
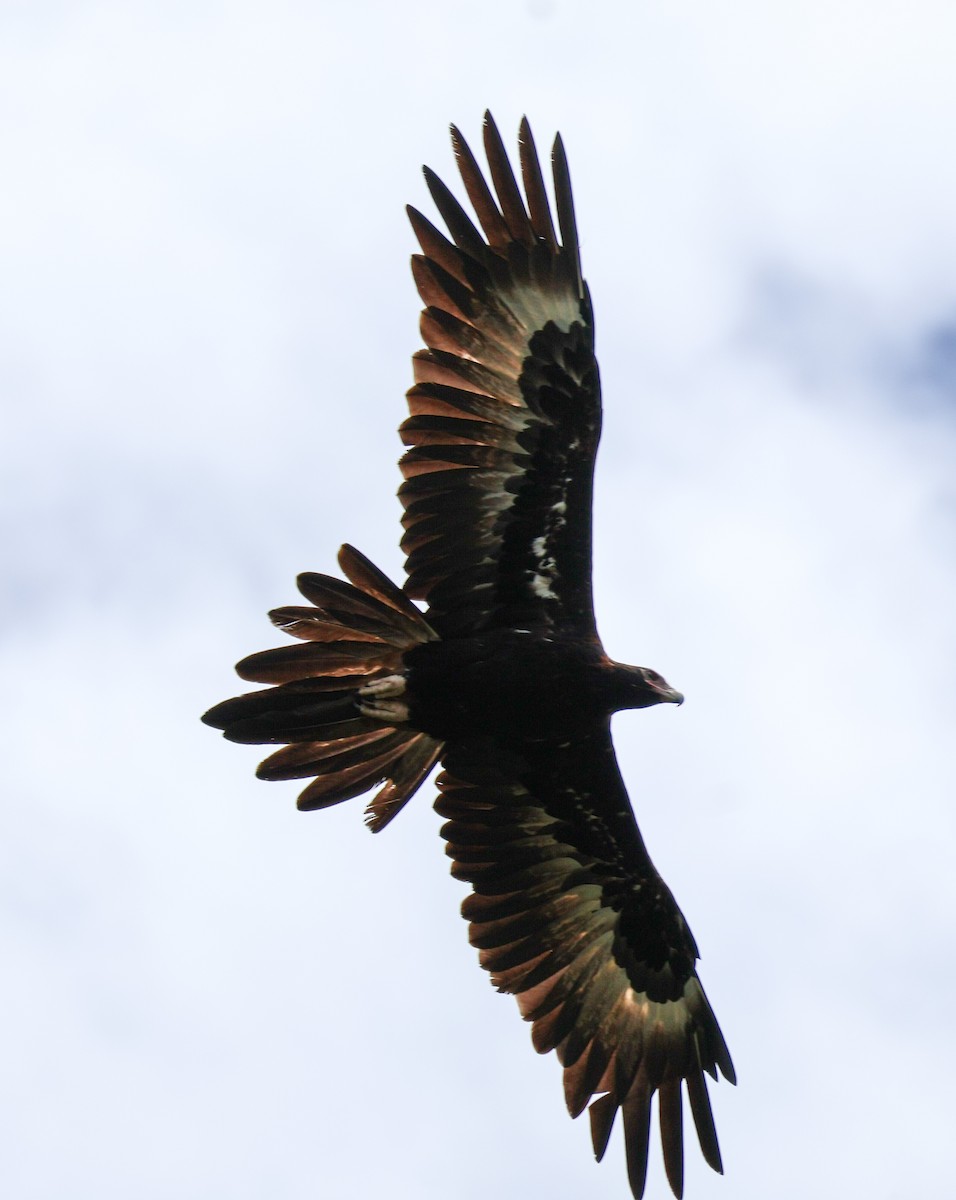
<point>503,679</point>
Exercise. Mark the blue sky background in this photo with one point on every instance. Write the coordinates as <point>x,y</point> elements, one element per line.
<point>206,317</point>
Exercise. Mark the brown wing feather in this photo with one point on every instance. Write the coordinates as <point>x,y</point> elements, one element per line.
<point>570,916</point>
<point>482,201</point>
<point>534,188</point>
<point>509,195</point>
<point>505,411</point>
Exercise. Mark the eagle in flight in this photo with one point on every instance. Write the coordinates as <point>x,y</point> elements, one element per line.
<point>503,678</point>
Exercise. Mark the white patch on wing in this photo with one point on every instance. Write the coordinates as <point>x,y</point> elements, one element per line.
<point>534,308</point>
<point>544,576</point>
<point>541,586</point>
<point>658,1016</point>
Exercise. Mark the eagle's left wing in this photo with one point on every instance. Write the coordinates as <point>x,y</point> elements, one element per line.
<point>570,916</point>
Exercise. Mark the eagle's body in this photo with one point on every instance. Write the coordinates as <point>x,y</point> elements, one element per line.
<point>503,678</point>
<point>520,687</point>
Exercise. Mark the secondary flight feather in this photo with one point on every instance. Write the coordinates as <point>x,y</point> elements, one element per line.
<point>503,678</point>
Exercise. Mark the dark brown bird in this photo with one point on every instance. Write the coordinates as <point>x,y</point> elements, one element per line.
<point>503,678</point>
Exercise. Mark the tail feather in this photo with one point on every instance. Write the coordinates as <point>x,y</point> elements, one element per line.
<point>304,759</point>
<point>366,576</point>
<point>353,634</point>
<point>288,714</point>
<point>350,780</point>
<point>344,657</point>
<point>417,761</point>
<point>303,622</point>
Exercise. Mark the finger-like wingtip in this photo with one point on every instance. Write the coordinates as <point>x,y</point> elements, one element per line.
<point>564,202</point>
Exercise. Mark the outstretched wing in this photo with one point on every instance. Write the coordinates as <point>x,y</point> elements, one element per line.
<point>570,916</point>
<point>506,408</point>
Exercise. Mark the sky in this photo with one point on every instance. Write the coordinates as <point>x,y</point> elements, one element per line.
<point>206,317</point>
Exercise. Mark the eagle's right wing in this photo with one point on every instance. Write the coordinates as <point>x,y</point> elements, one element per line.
<point>506,408</point>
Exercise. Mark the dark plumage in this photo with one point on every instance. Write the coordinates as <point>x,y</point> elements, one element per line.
<point>503,678</point>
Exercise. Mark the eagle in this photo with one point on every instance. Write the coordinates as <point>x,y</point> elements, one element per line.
<point>502,678</point>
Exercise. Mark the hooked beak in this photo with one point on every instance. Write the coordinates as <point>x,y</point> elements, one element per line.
<point>660,690</point>
<point>666,694</point>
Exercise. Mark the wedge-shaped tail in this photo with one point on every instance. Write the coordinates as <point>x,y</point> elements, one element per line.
<point>354,634</point>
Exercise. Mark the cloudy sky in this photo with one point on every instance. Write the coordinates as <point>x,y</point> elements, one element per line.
<point>206,316</point>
